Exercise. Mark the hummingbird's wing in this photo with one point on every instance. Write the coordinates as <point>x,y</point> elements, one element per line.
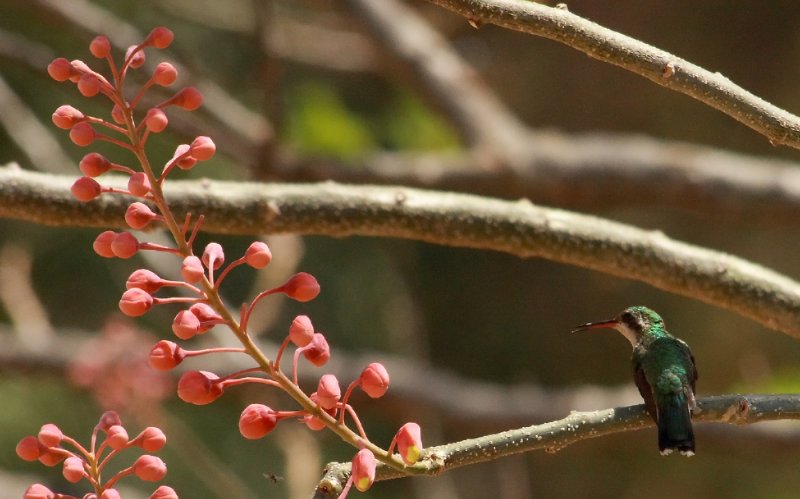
<point>644,387</point>
<point>692,373</point>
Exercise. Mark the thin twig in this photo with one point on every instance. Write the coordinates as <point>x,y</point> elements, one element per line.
<point>659,66</point>
<point>519,228</point>
<point>578,426</point>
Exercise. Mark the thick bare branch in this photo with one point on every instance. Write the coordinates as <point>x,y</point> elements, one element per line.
<point>519,228</point>
<point>659,66</point>
<point>554,436</point>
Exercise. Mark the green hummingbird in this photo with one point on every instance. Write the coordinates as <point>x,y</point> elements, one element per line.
<point>664,372</point>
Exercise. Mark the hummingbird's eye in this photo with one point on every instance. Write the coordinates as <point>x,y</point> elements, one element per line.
<point>627,318</point>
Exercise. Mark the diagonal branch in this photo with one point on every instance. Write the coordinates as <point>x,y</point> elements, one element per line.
<point>659,66</point>
<point>554,436</point>
<point>519,228</point>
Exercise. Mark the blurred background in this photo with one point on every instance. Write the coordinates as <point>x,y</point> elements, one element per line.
<point>477,342</point>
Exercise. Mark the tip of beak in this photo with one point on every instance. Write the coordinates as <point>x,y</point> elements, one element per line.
<point>608,324</point>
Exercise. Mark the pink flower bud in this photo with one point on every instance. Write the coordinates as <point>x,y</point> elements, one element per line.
<point>312,422</point>
<point>139,215</point>
<point>117,437</point>
<point>124,245</point>
<point>94,164</point>
<point>160,37</point>
<point>258,255</point>
<point>50,435</point>
<point>257,421</point>
<point>205,313</point>
<point>60,69</point>
<point>135,302</point>
<point>100,47</point>
<point>137,59</point>
<point>317,352</point>
<point>328,391</point>
<point>109,419</point>
<point>192,269</point>
<point>65,117</point>
<point>151,439</point>
<point>188,98</point>
<point>110,494</point>
<point>85,189</point>
<point>144,279</point>
<point>73,469</point>
<point>301,332</point>
<point>409,442</point>
<point>301,287</point>
<point>89,85</point>
<point>38,491</point>
<point>165,74</point>
<point>139,184</point>
<point>149,468</point>
<point>199,387</point>
<point>213,256</point>
<point>117,115</point>
<point>363,469</point>
<point>29,448</point>
<point>50,458</point>
<point>164,492</point>
<point>202,148</point>
<point>185,325</point>
<point>82,134</point>
<point>156,120</point>
<point>165,355</point>
<point>102,244</point>
<point>374,380</point>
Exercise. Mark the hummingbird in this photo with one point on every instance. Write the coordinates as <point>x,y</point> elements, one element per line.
<point>664,372</point>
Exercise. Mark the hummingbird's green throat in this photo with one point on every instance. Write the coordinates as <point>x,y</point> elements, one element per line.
<point>664,372</point>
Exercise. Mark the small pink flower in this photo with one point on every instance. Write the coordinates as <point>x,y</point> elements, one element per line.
<point>205,313</point>
<point>151,439</point>
<point>213,256</point>
<point>100,47</point>
<point>94,165</point>
<point>139,215</point>
<point>124,245</point>
<point>50,435</point>
<point>139,184</point>
<point>38,491</point>
<point>29,448</point>
<point>149,468</point>
<point>117,115</point>
<point>160,37</point>
<point>317,351</point>
<point>109,419</point>
<point>137,59</point>
<point>165,74</point>
<point>135,302</point>
<point>257,421</point>
<point>186,325</point>
<point>73,469</point>
<point>202,148</point>
<point>156,120</point>
<point>65,117</point>
<point>165,355</point>
<point>89,85</point>
<point>374,380</point>
<point>164,492</point>
<point>301,287</point>
<point>60,69</point>
<point>409,442</point>
<point>258,255</point>
<point>199,387</point>
<point>363,469</point>
<point>102,244</point>
<point>328,391</point>
<point>188,98</point>
<point>144,279</point>
<point>192,269</point>
<point>50,458</point>
<point>82,134</point>
<point>117,437</point>
<point>301,332</point>
<point>110,494</point>
<point>85,189</point>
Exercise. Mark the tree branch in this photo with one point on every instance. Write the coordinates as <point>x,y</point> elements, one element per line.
<point>554,436</point>
<point>518,228</point>
<point>659,66</point>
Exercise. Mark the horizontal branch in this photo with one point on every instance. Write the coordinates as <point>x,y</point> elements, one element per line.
<point>518,228</point>
<point>554,436</point>
<point>659,66</point>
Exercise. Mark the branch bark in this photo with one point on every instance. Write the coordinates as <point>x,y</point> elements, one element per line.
<point>554,436</point>
<point>518,228</point>
<point>658,66</point>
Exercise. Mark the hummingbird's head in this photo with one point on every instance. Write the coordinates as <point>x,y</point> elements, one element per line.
<point>633,323</point>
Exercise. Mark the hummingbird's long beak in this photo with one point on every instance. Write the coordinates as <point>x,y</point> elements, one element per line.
<point>607,324</point>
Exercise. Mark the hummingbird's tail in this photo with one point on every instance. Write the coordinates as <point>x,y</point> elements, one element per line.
<point>675,425</point>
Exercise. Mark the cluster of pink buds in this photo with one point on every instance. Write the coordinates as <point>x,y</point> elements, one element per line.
<point>49,447</point>
<point>202,275</point>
